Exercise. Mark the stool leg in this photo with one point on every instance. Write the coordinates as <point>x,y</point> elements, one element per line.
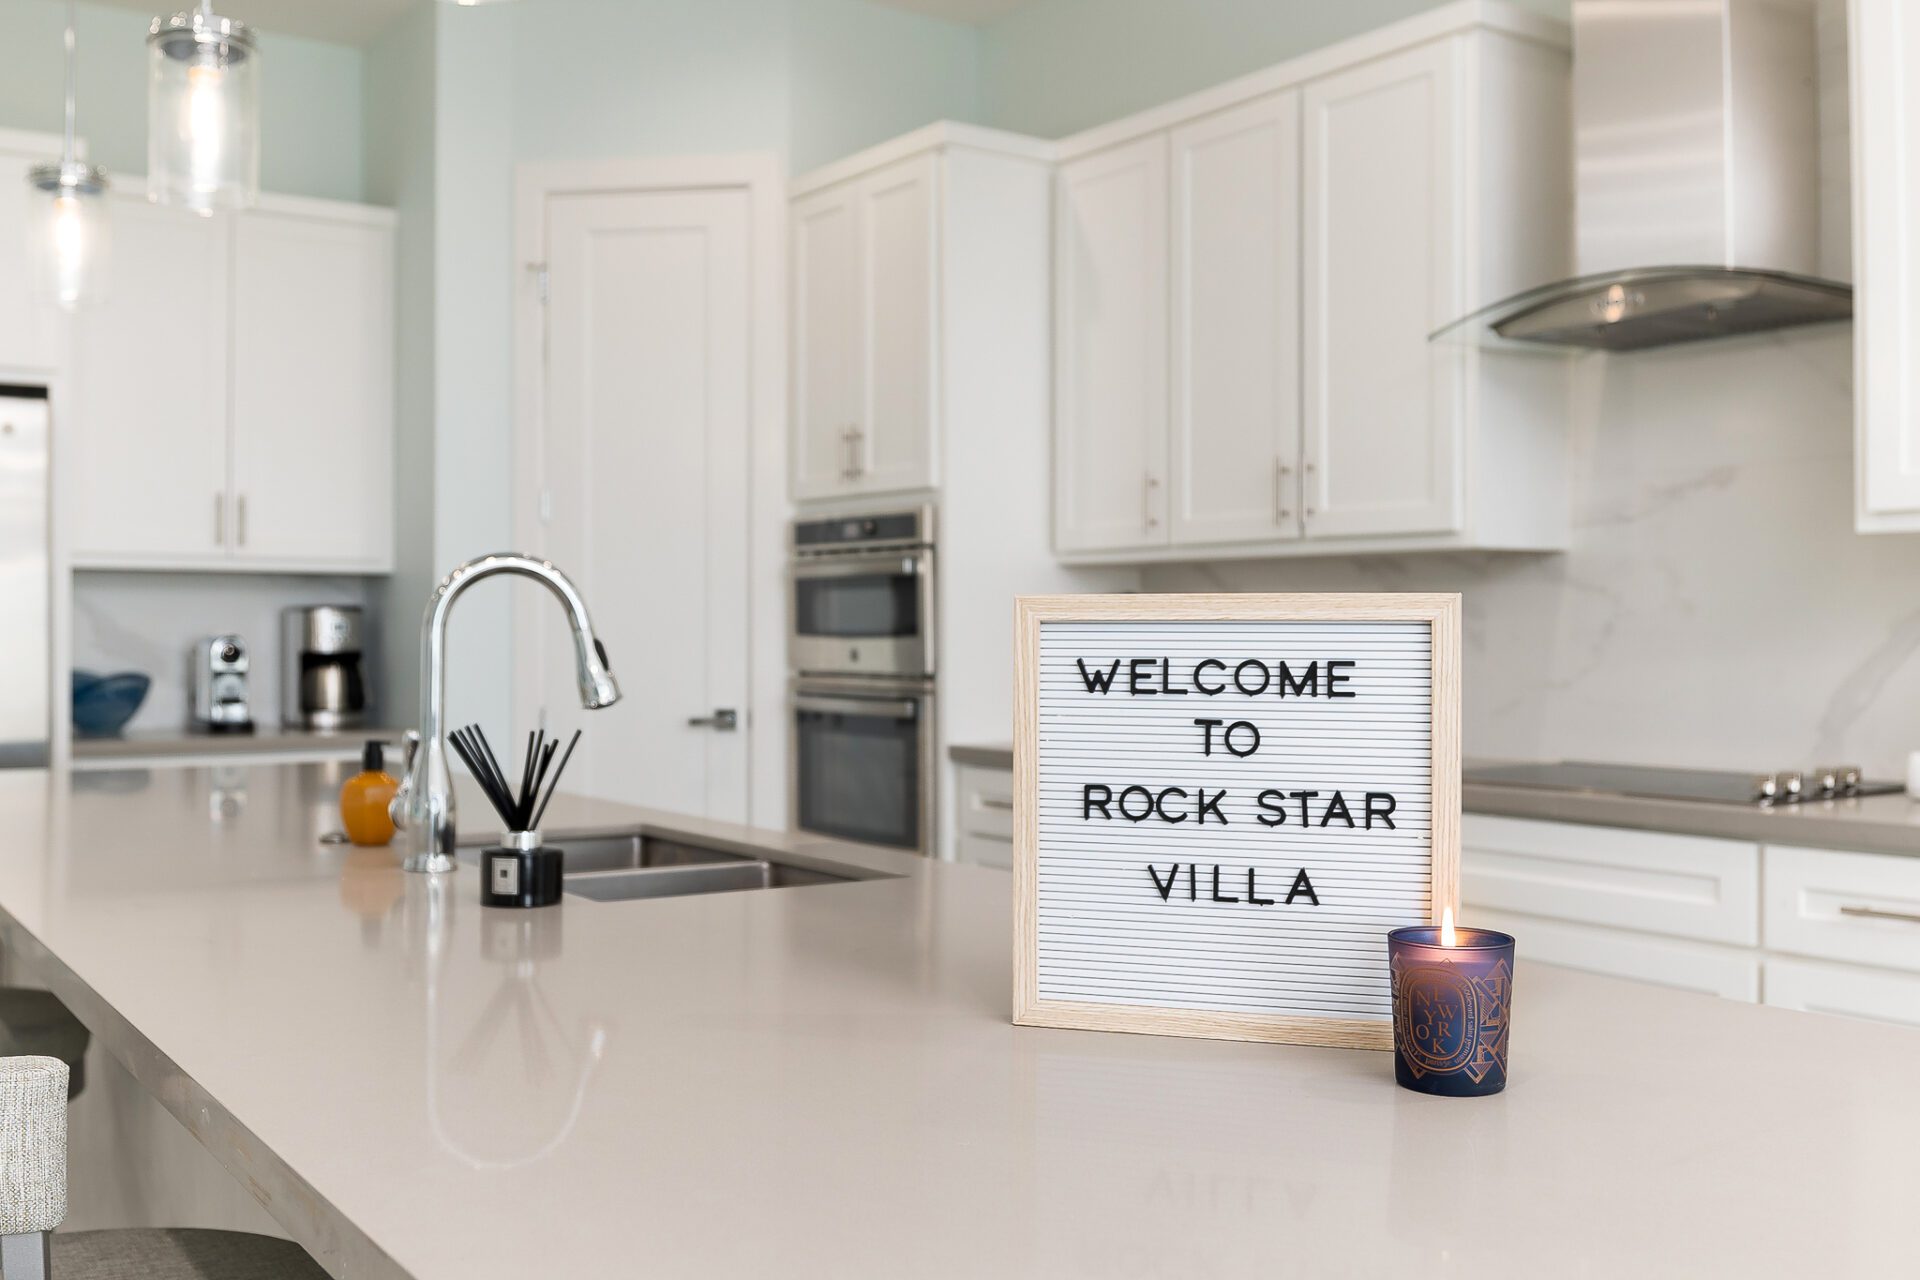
<point>28,1256</point>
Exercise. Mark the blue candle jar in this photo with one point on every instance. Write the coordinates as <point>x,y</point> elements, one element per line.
<point>1452,1003</point>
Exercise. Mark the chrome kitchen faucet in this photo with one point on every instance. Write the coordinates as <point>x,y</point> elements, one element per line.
<point>423,806</point>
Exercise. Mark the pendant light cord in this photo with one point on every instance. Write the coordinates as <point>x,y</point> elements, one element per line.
<point>66,155</point>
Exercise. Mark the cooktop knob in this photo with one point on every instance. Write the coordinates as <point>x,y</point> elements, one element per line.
<point>1766,788</point>
<point>1826,781</point>
<point>1849,779</point>
<point>1791,785</point>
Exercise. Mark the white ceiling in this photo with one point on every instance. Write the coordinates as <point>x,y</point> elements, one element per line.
<point>359,21</point>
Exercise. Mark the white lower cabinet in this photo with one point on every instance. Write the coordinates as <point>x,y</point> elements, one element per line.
<point>1665,962</point>
<point>1833,931</point>
<point>1816,987</point>
<point>983,817</point>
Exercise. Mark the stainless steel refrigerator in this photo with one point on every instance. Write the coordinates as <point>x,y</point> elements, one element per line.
<point>26,646</point>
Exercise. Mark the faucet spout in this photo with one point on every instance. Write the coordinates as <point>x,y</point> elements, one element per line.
<point>423,806</point>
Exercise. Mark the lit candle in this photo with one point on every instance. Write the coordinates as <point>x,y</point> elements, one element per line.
<point>1452,1001</point>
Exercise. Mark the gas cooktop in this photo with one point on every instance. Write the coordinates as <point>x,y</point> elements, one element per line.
<point>1709,786</point>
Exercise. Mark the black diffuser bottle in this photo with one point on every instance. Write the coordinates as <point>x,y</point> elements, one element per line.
<point>520,871</point>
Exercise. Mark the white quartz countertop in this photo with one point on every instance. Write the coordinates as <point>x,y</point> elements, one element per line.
<point>823,1082</point>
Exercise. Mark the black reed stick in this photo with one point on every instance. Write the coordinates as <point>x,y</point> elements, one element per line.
<point>555,784</point>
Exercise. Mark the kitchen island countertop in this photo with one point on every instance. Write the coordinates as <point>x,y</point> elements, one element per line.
<point>823,1081</point>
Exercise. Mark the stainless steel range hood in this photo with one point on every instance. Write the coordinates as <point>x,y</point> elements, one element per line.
<point>1696,141</point>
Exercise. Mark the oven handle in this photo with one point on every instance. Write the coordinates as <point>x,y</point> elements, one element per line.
<point>910,563</point>
<point>886,708</point>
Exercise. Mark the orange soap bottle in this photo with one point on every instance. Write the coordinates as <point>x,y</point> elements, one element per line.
<point>364,798</point>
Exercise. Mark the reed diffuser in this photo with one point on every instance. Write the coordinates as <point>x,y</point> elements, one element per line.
<point>519,872</point>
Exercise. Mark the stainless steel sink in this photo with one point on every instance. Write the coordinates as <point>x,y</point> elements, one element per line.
<point>668,882</point>
<point>619,866</point>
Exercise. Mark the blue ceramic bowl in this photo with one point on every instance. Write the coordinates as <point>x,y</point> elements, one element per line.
<point>102,705</point>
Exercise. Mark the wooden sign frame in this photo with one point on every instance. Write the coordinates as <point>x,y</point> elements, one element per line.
<point>1441,612</point>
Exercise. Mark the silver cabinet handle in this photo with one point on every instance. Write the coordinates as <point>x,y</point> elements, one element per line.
<point>240,518</point>
<point>1281,471</point>
<point>856,464</point>
<point>846,453</point>
<point>1876,913</point>
<point>723,720</point>
<point>219,519</point>
<point>1146,501</point>
<point>995,802</point>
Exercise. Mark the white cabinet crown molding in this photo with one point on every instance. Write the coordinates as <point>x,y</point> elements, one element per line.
<point>942,135</point>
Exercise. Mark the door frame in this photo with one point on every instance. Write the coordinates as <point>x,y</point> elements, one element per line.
<point>761,175</point>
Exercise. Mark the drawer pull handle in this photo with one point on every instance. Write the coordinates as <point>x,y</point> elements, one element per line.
<point>995,802</point>
<point>1875,913</point>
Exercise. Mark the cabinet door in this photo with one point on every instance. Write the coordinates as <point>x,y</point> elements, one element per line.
<point>893,443</point>
<point>829,375</point>
<point>30,326</point>
<point>1236,325</point>
<point>312,391</point>
<point>150,395</point>
<point>1841,988</point>
<point>1110,349</point>
<point>1886,266</point>
<point>1382,270</point>
<point>1732,972</point>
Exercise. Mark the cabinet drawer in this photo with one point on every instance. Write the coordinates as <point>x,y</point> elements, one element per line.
<point>1667,962</point>
<point>1814,987</point>
<point>1862,907</point>
<point>986,851</point>
<point>986,802</point>
<point>1650,881</point>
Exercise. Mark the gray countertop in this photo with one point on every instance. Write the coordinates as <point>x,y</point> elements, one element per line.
<point>1871,824</point>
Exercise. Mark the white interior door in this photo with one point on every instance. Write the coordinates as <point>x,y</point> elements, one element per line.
<point>644,472</point>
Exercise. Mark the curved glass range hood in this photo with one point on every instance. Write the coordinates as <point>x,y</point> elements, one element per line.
<point>1696,182</point>
<point>1651,307</point>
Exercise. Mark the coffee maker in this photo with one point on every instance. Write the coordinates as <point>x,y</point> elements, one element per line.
<point>219,671</point>
<point>323,683</point>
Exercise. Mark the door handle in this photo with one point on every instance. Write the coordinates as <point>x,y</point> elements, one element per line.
<point>856,465</point>
<point>240,518</point>
<point>723,720</point>
<point>219,519</point>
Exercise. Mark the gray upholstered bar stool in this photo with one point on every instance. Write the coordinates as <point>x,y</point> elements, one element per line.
<point>33,1201</point>
<point>36,1024</point>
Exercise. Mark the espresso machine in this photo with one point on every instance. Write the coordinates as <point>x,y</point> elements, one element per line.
<point>323,682</point>
<point>219,667</point>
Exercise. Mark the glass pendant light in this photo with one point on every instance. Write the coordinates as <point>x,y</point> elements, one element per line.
<point>203,112</point>
<point>70,227</point>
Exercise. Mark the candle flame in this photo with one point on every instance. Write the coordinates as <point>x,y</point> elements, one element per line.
<point>1447,938</point>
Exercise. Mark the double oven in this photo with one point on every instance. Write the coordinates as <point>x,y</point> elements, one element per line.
<point>861,653</point>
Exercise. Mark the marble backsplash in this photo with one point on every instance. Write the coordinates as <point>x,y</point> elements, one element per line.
<point>1716,607</point>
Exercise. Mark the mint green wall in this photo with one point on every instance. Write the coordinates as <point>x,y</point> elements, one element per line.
<point>312,129</point>
<point>1060,66</point>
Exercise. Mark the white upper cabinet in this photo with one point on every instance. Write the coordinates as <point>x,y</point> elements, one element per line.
<point>149,427</point>
<point>29,324</point>
<point>893,442</point>
<point>1246,285</point>
<point>312,411</point>
<point>1110,349</point>
<point>233,392</point>
<point>1885,115</point>
<point>865,263</point>
<point>1235,462</point>
<point>828,366</point>
<point>1382,264</point>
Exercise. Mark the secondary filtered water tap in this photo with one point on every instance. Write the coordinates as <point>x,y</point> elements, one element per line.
<point>423,806</point>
